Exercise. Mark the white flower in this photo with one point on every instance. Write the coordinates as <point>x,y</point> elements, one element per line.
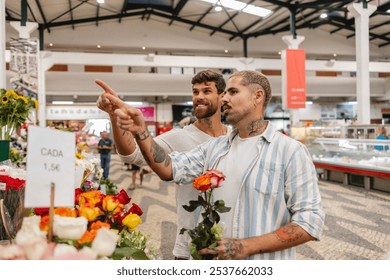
<point>105,241</point>
<point>64,249</point>
<point>87,251</point>
<point>12,252</point>
<point>30,231</point>
<point>69,227</point>
<point>36,249</point>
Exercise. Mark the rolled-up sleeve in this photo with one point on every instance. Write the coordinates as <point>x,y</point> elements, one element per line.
<point>303,195</point>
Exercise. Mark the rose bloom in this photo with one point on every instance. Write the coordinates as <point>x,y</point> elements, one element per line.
<point>131,221</point>
<point>211,179</point>
<point>112,204</point>
<point>65,212</point>
<point>92,197</point>
<point>69,228</point>
<point>123,197</point>
<point>135,209</point>
<point>90,212</point>
<point>30,231</point>
<point>105,241</point>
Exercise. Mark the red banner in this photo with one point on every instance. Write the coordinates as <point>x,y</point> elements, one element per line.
<point>296,78</point>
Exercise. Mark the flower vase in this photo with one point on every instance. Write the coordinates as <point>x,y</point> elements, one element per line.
<point>4,150</point>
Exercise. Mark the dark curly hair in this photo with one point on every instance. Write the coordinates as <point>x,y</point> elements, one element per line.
<point>210,76</point>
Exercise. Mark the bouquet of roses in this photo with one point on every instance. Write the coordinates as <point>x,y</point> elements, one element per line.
<point>97,227</point>
<point>208,232</point>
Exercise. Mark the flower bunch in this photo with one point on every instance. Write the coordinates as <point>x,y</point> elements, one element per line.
<point>14,110</point>
<point>12,193</point>
<point>100,222</point>
<point>208,232</point>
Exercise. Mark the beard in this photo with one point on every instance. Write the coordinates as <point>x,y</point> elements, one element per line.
<point>205,112</point>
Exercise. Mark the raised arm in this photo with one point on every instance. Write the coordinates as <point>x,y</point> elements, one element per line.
<point>124,140</point>
<point>131,119</point>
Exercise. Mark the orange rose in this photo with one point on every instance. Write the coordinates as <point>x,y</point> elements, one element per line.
<point>211,179</point>
<point>87,237</point>
<point>90,212</point>
<point>65,212</point>
<point>94,197</point>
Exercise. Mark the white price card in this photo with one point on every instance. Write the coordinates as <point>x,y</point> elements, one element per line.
<point>50,159</point>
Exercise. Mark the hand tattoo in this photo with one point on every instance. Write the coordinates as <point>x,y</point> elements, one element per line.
<point>234,248</point>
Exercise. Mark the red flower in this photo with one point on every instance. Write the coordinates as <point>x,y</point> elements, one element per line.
<point>41,211</point>
<point>12,183</point>
<point>135,209</point>
<point>123,197</point>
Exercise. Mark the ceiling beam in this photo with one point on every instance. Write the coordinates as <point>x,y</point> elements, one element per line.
<point>42,14</point>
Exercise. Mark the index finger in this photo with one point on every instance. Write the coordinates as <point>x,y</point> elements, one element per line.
<point>115,101</point>
<point>105,87</point>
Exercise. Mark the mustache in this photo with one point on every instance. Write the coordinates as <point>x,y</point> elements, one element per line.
<point>225,106</point>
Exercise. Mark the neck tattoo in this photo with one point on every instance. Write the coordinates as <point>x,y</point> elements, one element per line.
<point>256,127</point>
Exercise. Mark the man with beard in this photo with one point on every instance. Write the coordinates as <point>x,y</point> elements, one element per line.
<point>207,91</point>
<point>271,182</point>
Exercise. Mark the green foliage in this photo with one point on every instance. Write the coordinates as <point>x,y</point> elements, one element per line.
<point>208,232</point>
<point>111,188</point>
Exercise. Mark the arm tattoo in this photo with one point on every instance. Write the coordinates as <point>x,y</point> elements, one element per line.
<point>288,233</point>
<point>126,133</point>
<point>159,155</point>
<point>256,127</point>
<point>233,248</point>
<point>142,135</point>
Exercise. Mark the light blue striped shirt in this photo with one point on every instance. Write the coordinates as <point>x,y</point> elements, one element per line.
<point>279,187</point>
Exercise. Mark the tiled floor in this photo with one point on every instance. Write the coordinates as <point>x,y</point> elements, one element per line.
<point>357,223</point>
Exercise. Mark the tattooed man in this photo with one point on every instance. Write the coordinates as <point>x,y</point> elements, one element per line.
<point>271,182</point>
<point>207,91</point>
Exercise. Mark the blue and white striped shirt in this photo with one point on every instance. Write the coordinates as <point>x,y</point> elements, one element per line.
<point>279,187</point>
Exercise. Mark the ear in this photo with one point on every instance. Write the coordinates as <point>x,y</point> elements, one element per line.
<point>259,96</point>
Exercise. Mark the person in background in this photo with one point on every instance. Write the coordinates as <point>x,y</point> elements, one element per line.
<point>381,135</point>
<point>207,91</point>
<point>271,182</point>
<point>105,146</point>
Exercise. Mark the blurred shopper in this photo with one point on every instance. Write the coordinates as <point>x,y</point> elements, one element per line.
<point>271,181</point>
<point>207,91</point>
<point>105,146</point>
<point>381,135</point>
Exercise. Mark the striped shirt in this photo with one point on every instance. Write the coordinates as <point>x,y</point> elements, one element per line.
<point>280,186</point>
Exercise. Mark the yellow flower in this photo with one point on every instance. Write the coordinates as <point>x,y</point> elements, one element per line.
<point>4,100</point>
<point>36,104</point>
<point>132,221</point>
<point>14,111</point>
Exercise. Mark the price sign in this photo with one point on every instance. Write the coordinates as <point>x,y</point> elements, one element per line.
<point>50,159</point>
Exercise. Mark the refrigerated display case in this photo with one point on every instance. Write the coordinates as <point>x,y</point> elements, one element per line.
<point>353,161</point>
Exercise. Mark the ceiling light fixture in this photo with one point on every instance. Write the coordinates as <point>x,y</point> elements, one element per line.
<point>50,44</point>
<point>218,8</point>
<point>144,48</point>
<point>100,1</point>
<point>226,51</point>
<point>323,15</point>
<point>241,6</point>
<point>98,46</point>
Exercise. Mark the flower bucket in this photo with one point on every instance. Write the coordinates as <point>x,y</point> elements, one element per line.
<point>4,150</point>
